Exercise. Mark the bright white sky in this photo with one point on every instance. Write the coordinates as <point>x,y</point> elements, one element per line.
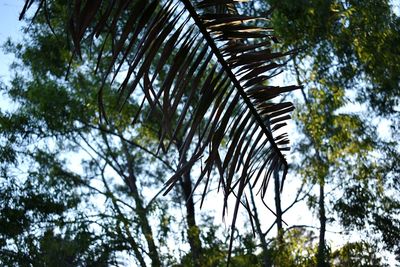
<point>9,27</point>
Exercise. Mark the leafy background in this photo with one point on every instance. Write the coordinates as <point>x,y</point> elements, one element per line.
<point>346,169</point>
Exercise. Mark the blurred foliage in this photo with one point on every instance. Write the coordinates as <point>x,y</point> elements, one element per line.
<point>352,44</point>
<point>48,212</point>
<point>348,62</point>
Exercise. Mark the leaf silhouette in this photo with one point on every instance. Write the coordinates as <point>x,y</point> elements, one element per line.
<point>217,62</point>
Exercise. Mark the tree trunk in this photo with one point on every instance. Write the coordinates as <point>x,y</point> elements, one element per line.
<point>141,210</point>
<point>193,231</point>
<point>278,208</point>
<point>144,224</point>
<point>266,259</point>
<point>322,260</point>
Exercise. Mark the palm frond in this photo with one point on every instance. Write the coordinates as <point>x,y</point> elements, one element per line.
<point>204,67</point>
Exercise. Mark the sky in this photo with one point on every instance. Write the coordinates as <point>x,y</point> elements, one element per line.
<point>9,27</point>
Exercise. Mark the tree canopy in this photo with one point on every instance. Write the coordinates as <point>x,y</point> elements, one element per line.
<point>113,102</point>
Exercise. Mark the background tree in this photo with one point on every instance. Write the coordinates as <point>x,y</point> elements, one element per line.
<point>346,62</point>
<point>57,119</point>
<point>232,94</point>
<point>354,168</point>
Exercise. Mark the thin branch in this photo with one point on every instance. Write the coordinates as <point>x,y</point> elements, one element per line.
<point>105,130</point>
<point>312,227</point>
<point>125,222</point>
<point>298,198</point>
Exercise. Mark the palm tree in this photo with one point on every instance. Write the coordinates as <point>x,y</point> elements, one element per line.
<point>202,68</point>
